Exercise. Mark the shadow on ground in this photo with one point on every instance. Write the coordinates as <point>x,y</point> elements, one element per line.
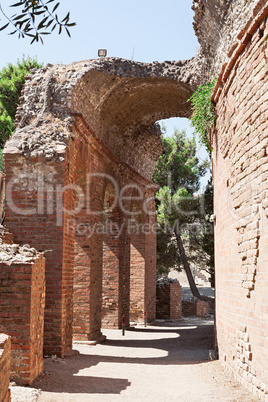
<point>181,343</point>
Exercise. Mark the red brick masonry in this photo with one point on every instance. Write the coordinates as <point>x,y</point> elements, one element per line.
<point>240,165</point>
<point>22,290</point>
<point>5,351</point>
<point>169,301</point>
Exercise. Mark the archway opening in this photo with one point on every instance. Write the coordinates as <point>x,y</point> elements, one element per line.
<point>196,231</point>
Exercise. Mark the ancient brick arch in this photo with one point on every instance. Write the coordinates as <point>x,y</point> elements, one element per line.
<point>79,124</point>
<point>81,129</point>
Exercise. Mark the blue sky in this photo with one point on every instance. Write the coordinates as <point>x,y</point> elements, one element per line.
<point>149,30</point>
<point>144,30</point>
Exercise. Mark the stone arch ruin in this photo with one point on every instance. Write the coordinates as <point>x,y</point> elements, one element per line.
<point>86,140</point>
<point>82,131</point>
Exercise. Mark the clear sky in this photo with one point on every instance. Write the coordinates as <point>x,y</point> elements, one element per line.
<point>146,30</point>
<point>142,30</point>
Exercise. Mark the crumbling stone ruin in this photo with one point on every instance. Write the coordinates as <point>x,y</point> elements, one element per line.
<point>78,187</point>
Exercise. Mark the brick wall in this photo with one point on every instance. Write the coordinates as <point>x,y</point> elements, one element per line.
<point>126,280</point>
<point>22,289</point>
<point>169,301</point>
<point>175,300</point>
<point>137,272</point>
<point>163,302</point>
<point>150,258</point>
<point>240,164</point>
<point>88,243</point>
<point>195,308</point>
<point>36,214</point>
<point>5,236</point>
<point>202,309</point>
<point>111,307</point>
<point>143,259</point>
<point>5,356</point>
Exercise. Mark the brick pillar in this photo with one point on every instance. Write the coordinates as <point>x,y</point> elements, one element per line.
<point>143,259</point>
<point>5,358</point>
<point>137,276</point>
<point>169,301</point>
<point>34,215</point>
<point>150,263</point>
<point>111,306</point>
<point>175,300</point>
<point>22,293</point>
<point>89,247</point>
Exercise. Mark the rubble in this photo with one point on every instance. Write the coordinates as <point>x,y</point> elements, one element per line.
<point>16,254</point>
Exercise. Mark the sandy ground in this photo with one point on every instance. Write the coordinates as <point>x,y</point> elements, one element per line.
<point>169,361</point>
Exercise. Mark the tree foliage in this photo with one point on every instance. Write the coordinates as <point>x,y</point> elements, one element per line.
<point>203,238</point>
<point>12,79</point>
<point>179,210</point>
<point>35,18</point>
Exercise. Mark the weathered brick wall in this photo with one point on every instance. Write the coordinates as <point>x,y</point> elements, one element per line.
<point>175,300</point>
<point>143,257</point>
<point>22,289</point>
<point>5,236</point>
<point>150,258</point>
<point>111,306</point>
<point>88,241</point>
<point>163,302</point>
<point>202,309</point>
<point>34,213</point>
<point>195,308</point>
<point>240,165</point>
<point>5,358</point>
<point>137,266</point>
<point>169,301</point>
<point>114,267</point>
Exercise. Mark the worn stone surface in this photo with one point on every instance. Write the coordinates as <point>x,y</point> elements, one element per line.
<point>217,24</point>
<point>132,97</point>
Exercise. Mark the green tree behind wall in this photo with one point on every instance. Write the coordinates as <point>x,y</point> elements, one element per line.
<point>181,213</point>
<point>12,79</point>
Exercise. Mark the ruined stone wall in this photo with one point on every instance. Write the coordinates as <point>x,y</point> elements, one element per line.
<point>5,358</point>
<point>240,164</point>
<point>217,24</point>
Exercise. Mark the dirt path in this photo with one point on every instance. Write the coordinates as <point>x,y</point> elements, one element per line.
<point>167,362</point>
